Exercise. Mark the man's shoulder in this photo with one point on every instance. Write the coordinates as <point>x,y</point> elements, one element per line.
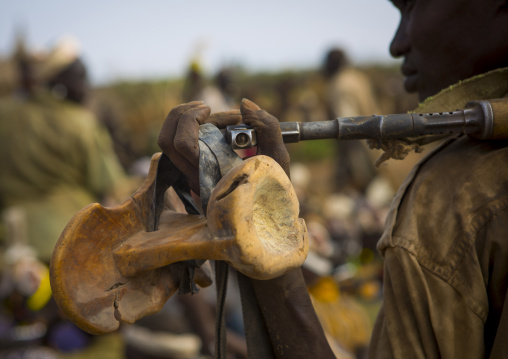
<point>466,167</point>
<point>453,194</point>
<point>460,180</point>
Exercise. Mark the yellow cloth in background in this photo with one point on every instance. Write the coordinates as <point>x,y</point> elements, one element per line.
<point>341,317</point>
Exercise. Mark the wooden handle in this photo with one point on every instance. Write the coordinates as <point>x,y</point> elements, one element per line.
<point>252,223</point>
<point>107,268</point>
<point>87,285</point>
<point>500,118</point>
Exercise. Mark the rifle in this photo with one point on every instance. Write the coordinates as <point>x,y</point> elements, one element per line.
<point>486,119</point>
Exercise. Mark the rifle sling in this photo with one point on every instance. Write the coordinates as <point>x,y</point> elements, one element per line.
<point>216,158</point>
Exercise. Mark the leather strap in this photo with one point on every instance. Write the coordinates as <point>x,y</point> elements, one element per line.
<point>168,175</point>
<point>216,158</point>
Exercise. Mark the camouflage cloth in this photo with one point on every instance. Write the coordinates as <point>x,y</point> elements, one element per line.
<point>445,246</point>
<point>55,159</point>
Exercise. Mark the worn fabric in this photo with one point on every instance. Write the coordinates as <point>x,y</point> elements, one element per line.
<point>446,246</point>
<point>56,159</point>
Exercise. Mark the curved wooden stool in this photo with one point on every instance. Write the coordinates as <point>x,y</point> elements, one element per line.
<point>107,268</point>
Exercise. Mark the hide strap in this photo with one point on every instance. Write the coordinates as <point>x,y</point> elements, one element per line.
<point>216,158</point>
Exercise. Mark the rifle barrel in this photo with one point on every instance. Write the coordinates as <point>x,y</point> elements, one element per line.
<point>486,119</point>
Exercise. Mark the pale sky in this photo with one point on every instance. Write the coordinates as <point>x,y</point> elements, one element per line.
<point>156,38</point>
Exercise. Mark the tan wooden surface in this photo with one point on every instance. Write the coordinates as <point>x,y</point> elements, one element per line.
<point>107,269</point>
<point>500,110</point>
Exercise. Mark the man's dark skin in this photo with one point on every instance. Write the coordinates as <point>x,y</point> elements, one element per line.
<point>74,81</point>
<point>442,42</point>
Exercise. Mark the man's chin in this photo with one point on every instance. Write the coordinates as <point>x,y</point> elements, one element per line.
<point>410,83</point>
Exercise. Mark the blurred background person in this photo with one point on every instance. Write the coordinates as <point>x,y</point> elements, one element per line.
<point>348,92</point>
<point>220,93</point>
<point>56,159</point>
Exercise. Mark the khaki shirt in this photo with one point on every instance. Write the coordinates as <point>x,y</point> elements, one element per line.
<point>446,247</point>
<point>55,160</point>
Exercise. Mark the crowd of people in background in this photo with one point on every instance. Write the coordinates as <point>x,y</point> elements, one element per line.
<point>57,157</point>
